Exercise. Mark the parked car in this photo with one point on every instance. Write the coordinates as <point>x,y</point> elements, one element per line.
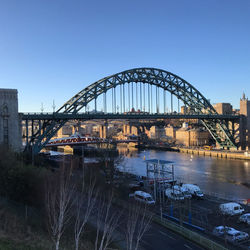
<point>235,236</point>
<point>193,189</point>
<point>231,208</point>
<point>143,197</point>
<point>221,230</point>
<point>184,191</point>
<point>174,194</point>
<point>245,218</point>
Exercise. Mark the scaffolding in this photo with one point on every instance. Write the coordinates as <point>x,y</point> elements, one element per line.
<point>160,175</point>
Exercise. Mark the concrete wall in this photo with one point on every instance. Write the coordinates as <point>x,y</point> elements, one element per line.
<point>10,124</point>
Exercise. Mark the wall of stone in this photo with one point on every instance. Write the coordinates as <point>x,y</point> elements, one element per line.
<point>10,129</point>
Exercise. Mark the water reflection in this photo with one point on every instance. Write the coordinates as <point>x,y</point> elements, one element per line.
<point>223,176</point>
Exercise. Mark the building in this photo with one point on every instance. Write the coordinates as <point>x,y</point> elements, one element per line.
<point>223,108</point>
<point>170,132</point>
<point>192,137</point>
<point>184,110</point>
<point>10,122</point>
<point>245,111</point>
<point>65,131</point>
<point>156,132</point>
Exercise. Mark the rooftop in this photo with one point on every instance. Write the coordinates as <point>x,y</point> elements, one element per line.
<point>156,161</point>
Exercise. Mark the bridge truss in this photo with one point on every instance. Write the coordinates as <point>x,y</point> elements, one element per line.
<point>140,93</point>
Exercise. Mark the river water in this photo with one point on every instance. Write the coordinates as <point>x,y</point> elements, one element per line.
<point>225,178</point>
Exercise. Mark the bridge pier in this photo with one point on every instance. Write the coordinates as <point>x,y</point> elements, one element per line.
<point>103,131</point>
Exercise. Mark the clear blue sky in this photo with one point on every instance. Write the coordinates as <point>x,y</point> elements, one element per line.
<point>51,49</point>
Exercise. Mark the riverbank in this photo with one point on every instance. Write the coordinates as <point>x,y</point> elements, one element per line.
<point>157,147</point>
<point>216,153</point>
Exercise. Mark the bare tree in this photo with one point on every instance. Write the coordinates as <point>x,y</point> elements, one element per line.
<point>85,203</point>
<point>138,223</point>
<point>59,200</point>
<point>107,222</point>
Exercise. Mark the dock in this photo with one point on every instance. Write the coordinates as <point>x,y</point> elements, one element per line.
<point>217,153</point>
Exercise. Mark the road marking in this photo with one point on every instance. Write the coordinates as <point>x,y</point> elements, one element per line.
<point>187,246</point>
<point>165,234</point>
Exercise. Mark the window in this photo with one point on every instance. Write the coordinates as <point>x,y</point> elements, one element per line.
<point>5,131</point>
<point>5,110</point>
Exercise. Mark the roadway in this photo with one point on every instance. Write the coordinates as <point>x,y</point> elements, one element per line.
<point>160,238</point>
<point>129,116</point>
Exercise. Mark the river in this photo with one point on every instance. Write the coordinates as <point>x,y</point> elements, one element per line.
<point>225,178</point>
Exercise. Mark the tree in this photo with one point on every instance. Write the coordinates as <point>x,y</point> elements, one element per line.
<point>59,201</point>
<point>85,203</point>
<point>109,162</point>
<point>138,223</point>
<point>106,223</point>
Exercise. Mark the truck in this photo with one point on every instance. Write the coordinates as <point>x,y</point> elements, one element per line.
<point>194,190</point>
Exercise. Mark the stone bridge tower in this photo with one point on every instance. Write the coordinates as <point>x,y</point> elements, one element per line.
<point>10,124</point>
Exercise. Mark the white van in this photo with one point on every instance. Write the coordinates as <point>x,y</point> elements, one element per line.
<point>174,194</point>
<point>184,191</point>
<point>231,208</point>
<point>193,189</point>
<point>143,197</point>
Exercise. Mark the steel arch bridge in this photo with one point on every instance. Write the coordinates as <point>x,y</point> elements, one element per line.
<point>125,87</point>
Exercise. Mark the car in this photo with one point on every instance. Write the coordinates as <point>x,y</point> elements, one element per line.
<point>245,218</point>
<point>143,197</point>
<point>235,236</point>
<point>185,192</point>
<point>193,189</point>
<point>221,230</point>
<point>174,194</point>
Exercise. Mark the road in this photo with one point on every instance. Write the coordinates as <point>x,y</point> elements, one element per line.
<point>160,238</point>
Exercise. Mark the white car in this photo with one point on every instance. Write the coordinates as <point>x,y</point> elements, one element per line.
<point>185,192</point>
<point>144,197</point>
<point>221,230</point>
<point>174,194</point>
<point>235,235</point>
<point>245,218</point>
<point>193,189</point>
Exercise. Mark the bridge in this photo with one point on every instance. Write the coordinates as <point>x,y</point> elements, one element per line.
<point>138,94</point>
<point>82,140</point>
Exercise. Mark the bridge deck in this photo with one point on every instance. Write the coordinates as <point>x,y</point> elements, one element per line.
<point>129,116</point>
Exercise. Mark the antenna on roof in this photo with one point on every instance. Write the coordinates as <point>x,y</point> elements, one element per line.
<point>42,109</point>
<point>54,106</point>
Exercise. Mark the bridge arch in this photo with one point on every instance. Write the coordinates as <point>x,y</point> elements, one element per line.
<point>168,81</point>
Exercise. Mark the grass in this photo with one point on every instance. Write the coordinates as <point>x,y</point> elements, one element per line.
<point>11,245</point>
